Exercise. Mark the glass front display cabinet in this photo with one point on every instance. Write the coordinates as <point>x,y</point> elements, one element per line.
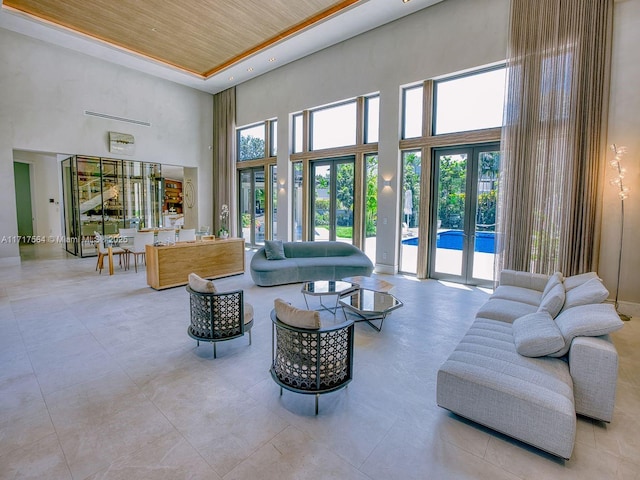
<point>103,195</point>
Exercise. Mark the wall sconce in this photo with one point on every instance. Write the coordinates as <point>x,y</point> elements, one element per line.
<point>386,183</point>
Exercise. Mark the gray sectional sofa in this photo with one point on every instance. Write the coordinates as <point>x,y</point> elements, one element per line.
<point>537,354</point>
<point>308,261</point>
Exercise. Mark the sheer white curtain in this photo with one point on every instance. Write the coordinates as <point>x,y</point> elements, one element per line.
<point>553,137</point>
<point>224,157</point>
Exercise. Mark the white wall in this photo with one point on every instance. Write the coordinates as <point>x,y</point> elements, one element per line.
<point>45,185</point>
<point>44,92</point>
<point>624,129</point>
<point>451,36</point>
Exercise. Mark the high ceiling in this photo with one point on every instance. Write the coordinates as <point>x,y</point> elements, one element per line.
<point>205,44</point>
<point>199,37</point>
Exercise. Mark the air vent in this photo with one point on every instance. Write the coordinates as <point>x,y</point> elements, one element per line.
<point>119,119</point>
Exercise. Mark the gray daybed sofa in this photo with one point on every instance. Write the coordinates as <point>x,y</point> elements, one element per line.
<point>308,261</point>
<point>537,354</point>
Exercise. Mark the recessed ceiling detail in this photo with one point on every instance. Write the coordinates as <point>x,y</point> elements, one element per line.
<point>201,37</point>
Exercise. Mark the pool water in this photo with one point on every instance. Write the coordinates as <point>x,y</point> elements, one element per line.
<point>452,239</point>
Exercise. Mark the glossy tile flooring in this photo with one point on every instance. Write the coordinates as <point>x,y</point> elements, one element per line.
<point>99,380</point>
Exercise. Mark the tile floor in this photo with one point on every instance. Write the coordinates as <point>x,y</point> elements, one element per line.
<point>99,380</point>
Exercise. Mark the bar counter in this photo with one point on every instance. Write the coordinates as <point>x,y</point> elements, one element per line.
<point>170,265</point>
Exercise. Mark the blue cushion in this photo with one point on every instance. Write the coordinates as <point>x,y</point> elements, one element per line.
<point>274,249</point>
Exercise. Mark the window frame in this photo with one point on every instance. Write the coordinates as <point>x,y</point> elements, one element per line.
<point>359,151</point>
<point>426,143</point>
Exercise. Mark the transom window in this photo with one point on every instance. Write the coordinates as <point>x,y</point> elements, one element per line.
<point>372,119</point>
<point>298,133</point>
<point>412,112</point>
<point>469,102</point>
<point>251,142</point>
<point>333,126</point>
<point>273,136</point>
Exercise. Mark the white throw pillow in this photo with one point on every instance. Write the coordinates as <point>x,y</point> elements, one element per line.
<point>537,335</point>
<point>200,285</point>
<point>576,280</point>
<point>296,317</point>
<point>553,300</point>
<point>554,280</point>
<point>590,292</point>
<point>586,321</point>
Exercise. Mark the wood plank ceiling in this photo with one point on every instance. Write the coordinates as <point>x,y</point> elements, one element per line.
<point>201,37</point>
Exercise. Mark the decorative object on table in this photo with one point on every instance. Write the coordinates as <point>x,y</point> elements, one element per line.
<point>223,232</point>
<point>623,194</point>
<point>311,361</point>
<point>219,316</point>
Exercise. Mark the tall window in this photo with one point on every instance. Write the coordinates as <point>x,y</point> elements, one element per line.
<point>274,201</point>
<point>411,164</point>
<point>296,198</point>
<point>332,147</point>
<point>257,149</point>
<point>466,110</point>
<point>371,206</point>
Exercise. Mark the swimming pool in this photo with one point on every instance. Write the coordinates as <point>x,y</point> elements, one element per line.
<point>452,239</point>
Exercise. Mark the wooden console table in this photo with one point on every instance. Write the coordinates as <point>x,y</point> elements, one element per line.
<point>170,266</point>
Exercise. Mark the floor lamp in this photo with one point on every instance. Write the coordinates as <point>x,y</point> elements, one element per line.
<point>623,194</point>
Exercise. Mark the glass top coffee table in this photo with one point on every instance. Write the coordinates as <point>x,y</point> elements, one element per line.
<point>325,288</point>
<point>369,305</point>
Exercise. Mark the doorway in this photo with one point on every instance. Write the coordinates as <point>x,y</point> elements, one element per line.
<point>252,205</point>
<point>464,208</point>
<point>24,210</point>
<point>332,198</point>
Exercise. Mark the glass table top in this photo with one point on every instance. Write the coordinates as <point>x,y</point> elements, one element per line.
<point>327,287</point>
<point>370,302</point>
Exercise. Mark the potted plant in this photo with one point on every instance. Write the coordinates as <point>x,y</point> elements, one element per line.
<point>223,232</point>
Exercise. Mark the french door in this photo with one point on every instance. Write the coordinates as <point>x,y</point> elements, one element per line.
<point>332,199</point>
<point>252,206</point>
<point>464,213</point>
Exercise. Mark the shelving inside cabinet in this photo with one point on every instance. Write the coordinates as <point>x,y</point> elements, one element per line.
<point>172,196</point>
